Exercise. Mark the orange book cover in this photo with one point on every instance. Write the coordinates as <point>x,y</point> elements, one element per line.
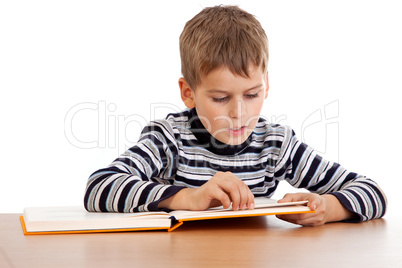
<point>89,231</point>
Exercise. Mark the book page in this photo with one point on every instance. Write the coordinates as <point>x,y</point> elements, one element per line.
<point>263,202</point>
<point>79,213</point>
<point>77,218</point>
<point>263,205</point>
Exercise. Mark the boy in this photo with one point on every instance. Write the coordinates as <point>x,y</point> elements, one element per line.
<point>219,151</point>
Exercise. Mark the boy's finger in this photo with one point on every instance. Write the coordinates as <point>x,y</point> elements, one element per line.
<point>222,197</point>
<point>249,197</point>
<point>302,219</point>
<point>235,188</point>
<point>244,195</point>
<point>294,197</point>
<point>250,203</point>
<point>242,198</point>
<point>232,191</point>
<point>313,205</point>
<point>286,198</point>
<point>235,196</point>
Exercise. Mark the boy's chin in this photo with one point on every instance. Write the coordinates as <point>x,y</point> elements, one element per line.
<point>236,140</point>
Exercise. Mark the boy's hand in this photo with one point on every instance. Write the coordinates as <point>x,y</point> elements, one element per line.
<point>327,209</point>
<point>224,188</point>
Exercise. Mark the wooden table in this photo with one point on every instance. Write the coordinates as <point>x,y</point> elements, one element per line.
<point>241,242</point>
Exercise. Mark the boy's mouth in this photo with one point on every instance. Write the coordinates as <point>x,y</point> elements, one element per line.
<point>237,131</point>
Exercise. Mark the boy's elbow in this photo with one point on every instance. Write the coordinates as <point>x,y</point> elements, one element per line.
<point>86,199</point>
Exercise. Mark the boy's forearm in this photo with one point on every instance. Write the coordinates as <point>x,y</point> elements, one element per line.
<point>337,212</point>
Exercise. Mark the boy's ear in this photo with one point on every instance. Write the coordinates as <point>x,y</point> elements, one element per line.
<point>187,94</point>
<point>267,84</point>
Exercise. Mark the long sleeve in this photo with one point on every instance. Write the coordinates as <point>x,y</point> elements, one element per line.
<point>300,165</point>
<point>140,178</point>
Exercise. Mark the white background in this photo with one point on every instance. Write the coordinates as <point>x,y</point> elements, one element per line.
<point>77,74</point>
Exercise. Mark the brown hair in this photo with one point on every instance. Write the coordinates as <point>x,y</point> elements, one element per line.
<point>222,36</point>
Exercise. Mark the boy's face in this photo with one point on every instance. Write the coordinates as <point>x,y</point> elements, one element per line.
<point>229,105</point>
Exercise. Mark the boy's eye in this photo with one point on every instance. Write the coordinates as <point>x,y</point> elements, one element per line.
<point>252,96</point>
<point>220,99</point>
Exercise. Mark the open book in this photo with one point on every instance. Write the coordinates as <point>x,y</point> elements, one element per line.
<point>52,220</point>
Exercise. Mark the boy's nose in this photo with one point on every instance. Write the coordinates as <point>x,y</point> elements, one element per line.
<point>237,109</point>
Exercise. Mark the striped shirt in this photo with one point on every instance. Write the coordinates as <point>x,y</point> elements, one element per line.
<point>179,152</point>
